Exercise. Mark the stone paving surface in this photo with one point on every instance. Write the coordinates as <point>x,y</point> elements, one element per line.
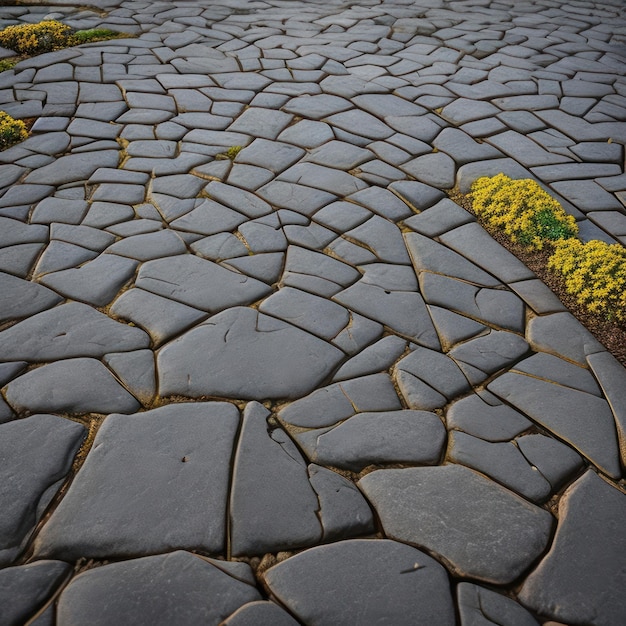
<point>262,387</point>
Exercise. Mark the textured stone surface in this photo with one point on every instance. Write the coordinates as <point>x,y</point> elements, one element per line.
<point>356,578</point>
<point>186,450</point>
<point>160,589</point>
<point>487,532</point>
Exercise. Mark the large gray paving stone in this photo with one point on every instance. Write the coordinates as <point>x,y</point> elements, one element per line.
<point>72,386</point>
<point>383,238</point>
<point>147,246</point>
<point>25,589</point>
<point>241,353</point>
<point>13,232</point>
<point>178,457</point>
<point>260,613</point>
<point>581,419</point>
<point>502,462</point>
<point>563,335</point>
<point>612,378</point>
<point>272,505</point>
<point>453,328</point>
<point>483,607</point>
<point>19,260</point>
<point>209,218</point>
<point>339,401</point>
<point>199,283</point>
<point>162,318</point>
<point>324,178</point>
<point>496,307</point>
<point>363,582</point>
<point>96,282</point>
<point>383,202</point>
<point>375,358</point>
<point>137,372</point>
<point>480,528</point>
<point>429,255</point>
<point>272,155</point>
<point>83,236</point>
<point>436,169</point>
<point>260,122</point>
<point>304,200</point>
<point>73,168</point>
<point>339,155</point>
<point>360,123</point>
<point>36,453</point>
<point>69,330</point>
<point>581,579</point>
<point>179,587</point>
<point>317,107</point>
<point>22,298</point>
<point>242,201</point>
<point>418,196</point>
<point>406,436</point>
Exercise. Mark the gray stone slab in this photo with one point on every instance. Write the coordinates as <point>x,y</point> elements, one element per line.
<point>383,238</point>
<point>73,386</point>
<point>209,218</point>
<point>418,196</point>
<point>481,607</point>
<point>147,246</point>
<point>307,134</point>
<point>581,419</point>
<point>66,331</point>
<point>198,283</point>
<point>483,415</point>
<point>469,172</point>
<point>136,370</point>
<point>97,282</point>
<point>27,588</point>
<point>22,298</point>
<point>161,589</point>
<point>14,232</point>
<point>260,122</point>
<point>228,355</point>
<point>464,110</point>
<point>29,478</point>
<point>313,314</point>
<point>581,577</point>
<point>492,306</point>
<point>339,154</point>
<point>480,528</point>
<point>474,242</point>
<point>19,260</point>
<point>343,511</point>
<point>264,266</point>
<point>59,210</point>
<point>304,200</point>
<point>360,123</point>
<point>502,462</point>
<point>316,107</point>
<point>272,505</point>
<point>339,401</point>
<point>428,255</point>
<point>363,582</point>
<point>178,495</point>
<point>437,170</point>
<point>242,201</point>
<point>382,202</point>
<point>260,613</point>
<point>401,310</point>
<point>491,352</point>
<point>360,332</point>
<point>73,167</point>
<point>562,334</point>
<point>375,358</point>
<point>161,317</point>
<point>377,438</point>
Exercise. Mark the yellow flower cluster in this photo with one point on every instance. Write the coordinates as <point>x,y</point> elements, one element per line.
<point>36,38</point>
<point>11,131</point>
<point>595,273</point>
<point>522,210</point>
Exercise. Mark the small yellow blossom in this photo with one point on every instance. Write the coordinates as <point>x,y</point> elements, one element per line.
<point>11,131</point>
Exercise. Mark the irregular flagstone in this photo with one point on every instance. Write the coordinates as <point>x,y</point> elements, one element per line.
<point>177,497</point>
<point>69,330</point>
<point>162,318</point>
<point>18,260</point>
<point>60,255</point>
<point>242,353</point>
<point>162,589</point>
<point>36,453</point>
<point>143,247</point>
<point>136,370</point>
<point>21,298</point>
<point>612,378</point>
<point>502,462</point>
<point>73,167</point>
<point>383,238</point>
<point>428,379</point>
<point>199,283</point>
<point>375,358</point>
<point>272,505</point>
<point>563,335</point>
<point>479,607</point>
<point>97,282</point>
<point>343,511</point>
<point>375,438</point>
<point>72,386</point>
<point>260,613</point>
<point>386,298</point>
<point>581,578</point>
<point>483,415</point>
<point>364,582</point>
<point>480,528</point>
<point>329,405</point>
<point>24,590</point>
<point>583,420</point>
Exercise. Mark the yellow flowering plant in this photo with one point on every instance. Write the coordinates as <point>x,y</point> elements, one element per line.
<point>12,131</point>
<point>36,38</point>
<point>595,273</point>
<point>522,210</point>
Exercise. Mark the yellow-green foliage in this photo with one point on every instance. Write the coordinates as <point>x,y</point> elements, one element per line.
<point>595,273</point>
<point>11,131</point>
<point>522,210</point>
<point>36,38</point>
